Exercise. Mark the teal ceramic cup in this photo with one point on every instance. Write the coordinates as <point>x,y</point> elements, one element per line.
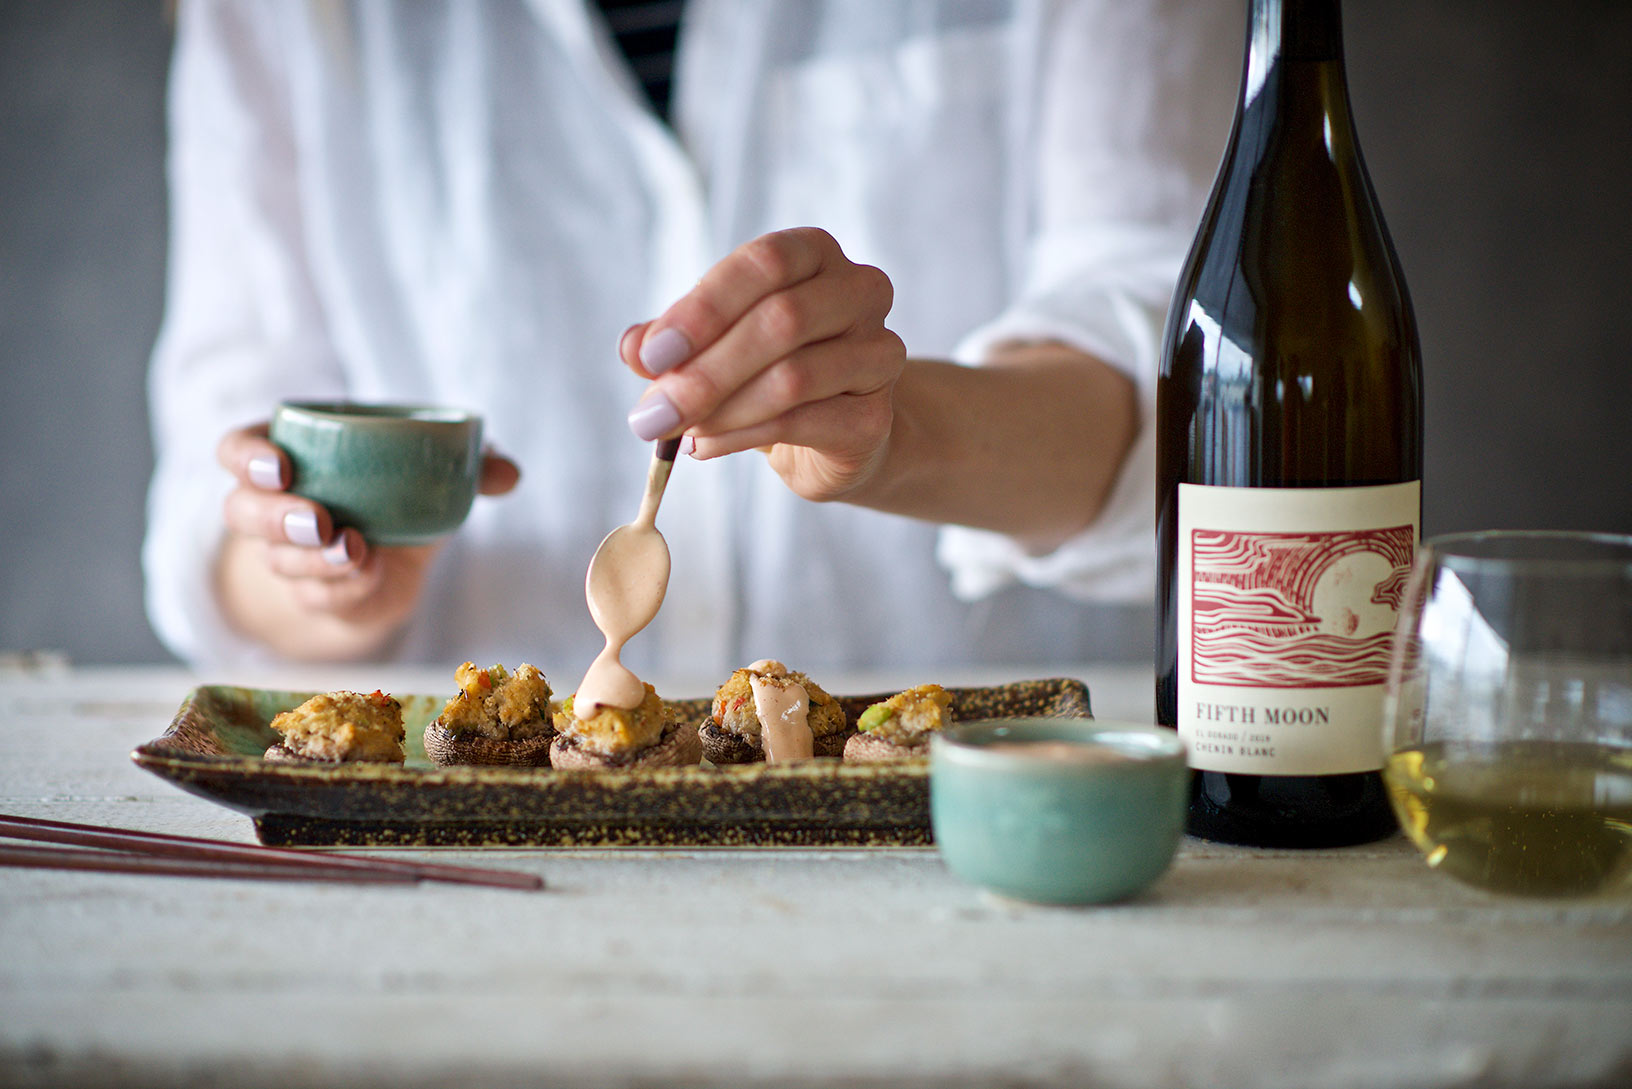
<point>402,474</point>
<point>1095,819</point>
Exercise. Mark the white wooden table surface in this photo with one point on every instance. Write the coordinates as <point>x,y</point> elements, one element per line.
<point>1240,968</point>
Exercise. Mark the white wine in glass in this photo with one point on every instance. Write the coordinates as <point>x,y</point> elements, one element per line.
<point>1509,710</point>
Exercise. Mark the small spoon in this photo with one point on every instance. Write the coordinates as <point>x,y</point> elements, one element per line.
<point>627,578</point>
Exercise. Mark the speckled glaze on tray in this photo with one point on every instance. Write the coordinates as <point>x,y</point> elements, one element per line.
<point>213,749</point>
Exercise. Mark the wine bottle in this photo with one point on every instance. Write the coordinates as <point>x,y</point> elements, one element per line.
<point>1289,461</point>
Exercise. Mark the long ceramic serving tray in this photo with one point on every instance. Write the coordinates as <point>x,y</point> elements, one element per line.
<point>213,749</point>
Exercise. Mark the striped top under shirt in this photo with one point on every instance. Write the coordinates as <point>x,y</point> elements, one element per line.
<point>645,31</point>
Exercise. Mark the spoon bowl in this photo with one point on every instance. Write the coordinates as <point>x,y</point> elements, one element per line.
<point>625,584</point>
<point>627,579</point>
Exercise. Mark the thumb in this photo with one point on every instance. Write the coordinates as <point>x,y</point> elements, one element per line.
<point>499,474</point>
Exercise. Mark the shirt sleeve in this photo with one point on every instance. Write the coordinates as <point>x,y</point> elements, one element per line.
<point>1134,106</point>
<point>242,325</point>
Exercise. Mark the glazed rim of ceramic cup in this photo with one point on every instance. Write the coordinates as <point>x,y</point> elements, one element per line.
<point>1139,742</point>
<point>381,411</point>
<point>1533,552</point>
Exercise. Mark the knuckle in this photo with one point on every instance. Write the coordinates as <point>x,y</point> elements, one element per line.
<point>894,348</point>
<point>286,569</point>
<point>769,256</point>
<point>782,321</point>
<point>878,285</point>
<point>881,356</point>
<point>312,595</point>
<point>702,318</point>
<point>291,562</point>
<point>694,392</point>
<point>244,511</point>
<point>885,348</point>
<point>789,383</point>
<point>820,238</point>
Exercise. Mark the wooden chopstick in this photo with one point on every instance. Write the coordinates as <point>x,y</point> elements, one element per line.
<point>219,853</point>
<point>75,858</point>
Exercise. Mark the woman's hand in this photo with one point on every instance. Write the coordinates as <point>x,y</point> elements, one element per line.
<point>781,346</point>
<point>288,578</point>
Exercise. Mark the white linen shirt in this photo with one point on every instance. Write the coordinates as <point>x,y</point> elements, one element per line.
<point>467,202</point>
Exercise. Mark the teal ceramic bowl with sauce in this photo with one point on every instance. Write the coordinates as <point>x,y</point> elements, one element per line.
<point>402,474</point>
<point>1058,810</point>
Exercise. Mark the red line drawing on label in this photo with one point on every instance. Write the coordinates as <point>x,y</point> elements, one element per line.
<point>1296,610</point>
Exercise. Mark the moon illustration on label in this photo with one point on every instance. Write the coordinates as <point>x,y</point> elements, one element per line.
<point>1296,610</point>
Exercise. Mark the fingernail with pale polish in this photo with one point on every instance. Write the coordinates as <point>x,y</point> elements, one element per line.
<point>300,526</point>
<point>688,445</point>
<point>338,551</point>
<point>654,417</point>
<point>265,471</point>
<point>666,350</point>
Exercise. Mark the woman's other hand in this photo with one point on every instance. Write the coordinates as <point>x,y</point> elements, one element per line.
<point>293,580</point>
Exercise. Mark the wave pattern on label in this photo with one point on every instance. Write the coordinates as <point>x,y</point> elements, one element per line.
<point>1296,610</point>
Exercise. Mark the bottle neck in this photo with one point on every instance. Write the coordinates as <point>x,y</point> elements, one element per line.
<point>1280,31</point>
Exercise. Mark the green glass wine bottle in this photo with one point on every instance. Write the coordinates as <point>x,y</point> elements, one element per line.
<point>1289,461</point>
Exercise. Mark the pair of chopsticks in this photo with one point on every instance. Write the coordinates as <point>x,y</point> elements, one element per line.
<point>121,850</point>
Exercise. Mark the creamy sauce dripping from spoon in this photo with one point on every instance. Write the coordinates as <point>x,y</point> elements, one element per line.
<point>627,578</point>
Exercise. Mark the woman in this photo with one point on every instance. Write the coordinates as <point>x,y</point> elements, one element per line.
<point>469,203</point>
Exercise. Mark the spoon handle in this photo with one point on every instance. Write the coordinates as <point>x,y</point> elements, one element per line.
<point>657,478</point>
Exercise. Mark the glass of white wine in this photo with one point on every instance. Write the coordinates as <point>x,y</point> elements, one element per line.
<point>1508,715</point>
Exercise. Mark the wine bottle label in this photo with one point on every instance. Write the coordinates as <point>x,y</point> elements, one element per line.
<point>1288,599</point>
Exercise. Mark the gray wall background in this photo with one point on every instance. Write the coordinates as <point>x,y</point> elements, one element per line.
<point>1498,132</point>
